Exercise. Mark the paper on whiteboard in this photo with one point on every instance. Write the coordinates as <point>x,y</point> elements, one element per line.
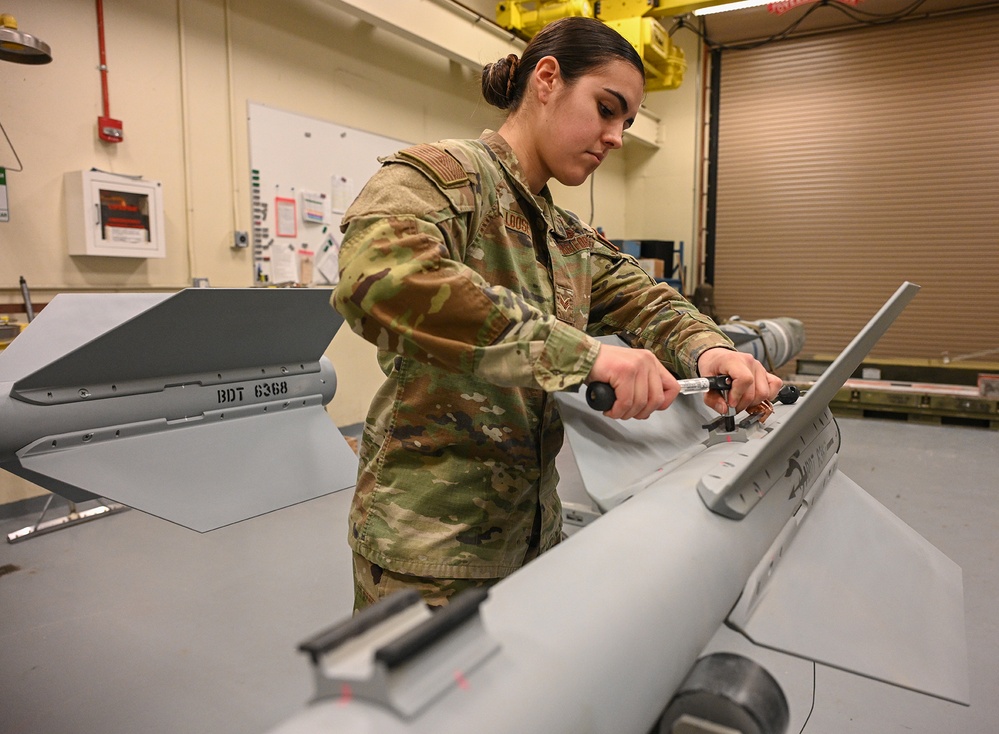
<point>328,262</point>
<point>342,188</point>
<point>284,263</point>
<point>287,226</point>
<point>313,207</point>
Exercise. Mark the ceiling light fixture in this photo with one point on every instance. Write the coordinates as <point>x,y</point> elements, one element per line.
<point>739,5</point>
<point>19,47</point>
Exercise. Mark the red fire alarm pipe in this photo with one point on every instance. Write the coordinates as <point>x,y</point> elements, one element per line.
<point>108,129</point>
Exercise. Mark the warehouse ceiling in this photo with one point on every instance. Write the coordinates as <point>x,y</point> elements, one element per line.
<point>754,24</point>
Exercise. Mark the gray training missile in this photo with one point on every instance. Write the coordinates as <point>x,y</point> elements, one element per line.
<point>708,594</point>
<point>773,342</point>
<point>205,407</point>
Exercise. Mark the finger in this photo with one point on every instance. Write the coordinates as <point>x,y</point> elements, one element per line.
<point>641,395</point>
<point>624,389</point>
<point>775,384</point>
<point>743,386</point>
<point>670,388</point>
<point>765,385</point>
<point>716,402</point>
<point>654,395</point>
<point>762,385</point>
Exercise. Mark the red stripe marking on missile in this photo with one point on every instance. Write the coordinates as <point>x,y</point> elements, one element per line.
<point>346,694</point>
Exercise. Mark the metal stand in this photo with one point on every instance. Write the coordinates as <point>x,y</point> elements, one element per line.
<point>577,514</point>
<point>73,517</point>
<point>399,654</point>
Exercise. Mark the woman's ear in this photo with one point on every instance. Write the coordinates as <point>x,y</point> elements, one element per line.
<point>546,78</point>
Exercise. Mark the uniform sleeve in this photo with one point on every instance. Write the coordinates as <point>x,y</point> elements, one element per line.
<point>626,300</point>
<point>404,287</point>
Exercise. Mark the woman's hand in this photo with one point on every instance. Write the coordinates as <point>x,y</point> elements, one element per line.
<point>751,383</point>
<point>641,383</point>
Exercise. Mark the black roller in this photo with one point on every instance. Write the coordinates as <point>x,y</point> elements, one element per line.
<point>600,396</point>
<point>788,394</point>
<point>730,690</point>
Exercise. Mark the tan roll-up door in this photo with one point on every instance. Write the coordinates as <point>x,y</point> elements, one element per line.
<point>851,162</point>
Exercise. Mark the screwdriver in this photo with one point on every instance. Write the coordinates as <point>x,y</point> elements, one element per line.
<point>600,395</point>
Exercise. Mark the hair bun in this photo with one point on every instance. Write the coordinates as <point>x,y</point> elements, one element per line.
<point>498,81</point>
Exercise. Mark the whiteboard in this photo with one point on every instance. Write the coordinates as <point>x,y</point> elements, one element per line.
<point>304,172</point>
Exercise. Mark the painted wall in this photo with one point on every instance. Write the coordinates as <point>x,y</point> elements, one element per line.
<point>663,185</point>
<point>180,76</point>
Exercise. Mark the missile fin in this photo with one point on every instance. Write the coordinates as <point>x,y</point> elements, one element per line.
<point>740,338</point>
<point>865,593</point>
<point>813,404</point>
<point>193,331</point>
<point>207,474</point>
<point>67,323</point>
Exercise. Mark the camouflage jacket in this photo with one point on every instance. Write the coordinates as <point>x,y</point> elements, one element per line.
<point>482,300</point>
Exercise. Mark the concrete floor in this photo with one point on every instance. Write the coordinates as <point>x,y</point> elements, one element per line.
<point>131,624</point>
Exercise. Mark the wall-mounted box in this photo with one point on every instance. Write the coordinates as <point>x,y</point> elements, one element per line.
<point>112,215</point>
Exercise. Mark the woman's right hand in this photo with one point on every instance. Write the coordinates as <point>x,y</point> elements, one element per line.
<point>641,383</point>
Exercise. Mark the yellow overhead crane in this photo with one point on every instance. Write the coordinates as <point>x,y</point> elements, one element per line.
<point>636,20</point>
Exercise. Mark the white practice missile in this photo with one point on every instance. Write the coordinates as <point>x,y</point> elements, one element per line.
<point>204,407</point>
<point>774,342</point>
<point>726,568</point>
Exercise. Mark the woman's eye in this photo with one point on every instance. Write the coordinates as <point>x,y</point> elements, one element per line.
<point>605,111</point>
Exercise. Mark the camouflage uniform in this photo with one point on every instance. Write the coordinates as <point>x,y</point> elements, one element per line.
<point>482,299</point>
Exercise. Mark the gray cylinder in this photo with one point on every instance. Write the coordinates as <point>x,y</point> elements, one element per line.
<point>774,342</point>
<point>731,691</point>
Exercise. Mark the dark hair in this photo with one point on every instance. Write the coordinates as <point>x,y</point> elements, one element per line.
<point>580,45</point>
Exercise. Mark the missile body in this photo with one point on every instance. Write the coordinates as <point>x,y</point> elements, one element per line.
<point>595,635</point>
<point>701,540</point>
<point>61,416</point>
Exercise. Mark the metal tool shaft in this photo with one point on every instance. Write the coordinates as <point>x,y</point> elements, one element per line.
<point>703,384</point>
<point>600,395</point>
